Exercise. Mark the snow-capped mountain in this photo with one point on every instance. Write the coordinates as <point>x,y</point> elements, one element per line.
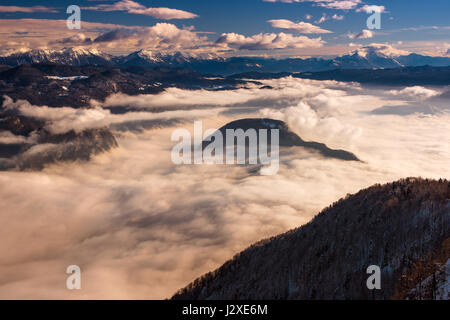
<point>150,58</point>
<point>362,58</point>
<point>68,56</point>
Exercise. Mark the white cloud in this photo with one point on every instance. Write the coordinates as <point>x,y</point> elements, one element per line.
<point>136,8</point>
<point>322,19</point>
<point>416,92</point>
<point>382,49</point>
<point>365,34</point>
<point>330,4</point>
<point>299,27</point>
<point>371,8</point>
<point>161,36</point>
<point>64,119</point>
<point>268,41</point>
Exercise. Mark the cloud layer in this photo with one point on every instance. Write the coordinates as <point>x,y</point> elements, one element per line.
<point>141,227</point>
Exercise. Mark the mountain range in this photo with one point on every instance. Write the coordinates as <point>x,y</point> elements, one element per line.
<point>214,64</point>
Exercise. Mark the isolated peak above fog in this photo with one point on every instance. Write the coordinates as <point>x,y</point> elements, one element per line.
<point>287,138</point>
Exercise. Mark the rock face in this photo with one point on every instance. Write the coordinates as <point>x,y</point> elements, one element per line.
<point>392,226</point>
<point>286,136</point>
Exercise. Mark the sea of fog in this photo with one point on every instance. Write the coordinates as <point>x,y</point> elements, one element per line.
<point>141,227</point>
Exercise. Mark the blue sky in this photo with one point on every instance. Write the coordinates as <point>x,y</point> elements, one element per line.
<point>414,25</point>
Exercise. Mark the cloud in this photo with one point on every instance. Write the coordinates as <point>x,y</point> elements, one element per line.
<point>371,8</point>
<point>365,34</point>
<point>268,41</point>
<point>141,227</point>
<point>416,92</point>
<point>329,4</point>
<point>75,40</point>
<point>382,49</point>
<point>112,38</point>
<point>46,33</point>
<point>27,9</point>
<point>7,137</point>
<point>322,19</point>
<point>161,36</point>
<point>65,119</point>
<point>337,17</point>
<point>299,27</point>
<point>136,8</point>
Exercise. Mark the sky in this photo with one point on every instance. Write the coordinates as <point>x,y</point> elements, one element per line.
<point>233,27</point>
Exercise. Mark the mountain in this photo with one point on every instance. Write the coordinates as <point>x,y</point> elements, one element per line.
<point>65,85</point>
<point>403,227</point>
<point>213,64</point>
<point>287,138</point>
<point>67,56</point>
<point>31,146</point>
<point>407,76</point>
<point>404,76</point>
<point>149,58</point>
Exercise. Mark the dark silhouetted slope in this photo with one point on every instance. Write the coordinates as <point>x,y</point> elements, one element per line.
<point>392,226</point>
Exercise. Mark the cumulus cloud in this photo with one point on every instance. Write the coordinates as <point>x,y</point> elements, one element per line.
<point>45,33</point>
<point>137,8</point>
<point>416,92</point>
<point>310,125</point>
<point>299,27</point>
<point>365,34</point>
<point>382,49</point>
<point>161,36</point>
<point>112,38</point>
<point>371,8</point>
<point>141,227</point>
<point>268,41</point>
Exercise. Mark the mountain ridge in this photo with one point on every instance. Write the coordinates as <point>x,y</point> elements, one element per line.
<point>392,226</point>
<point>215,64</point>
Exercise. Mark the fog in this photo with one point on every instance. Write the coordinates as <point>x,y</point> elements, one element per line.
<point>141,227</point>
